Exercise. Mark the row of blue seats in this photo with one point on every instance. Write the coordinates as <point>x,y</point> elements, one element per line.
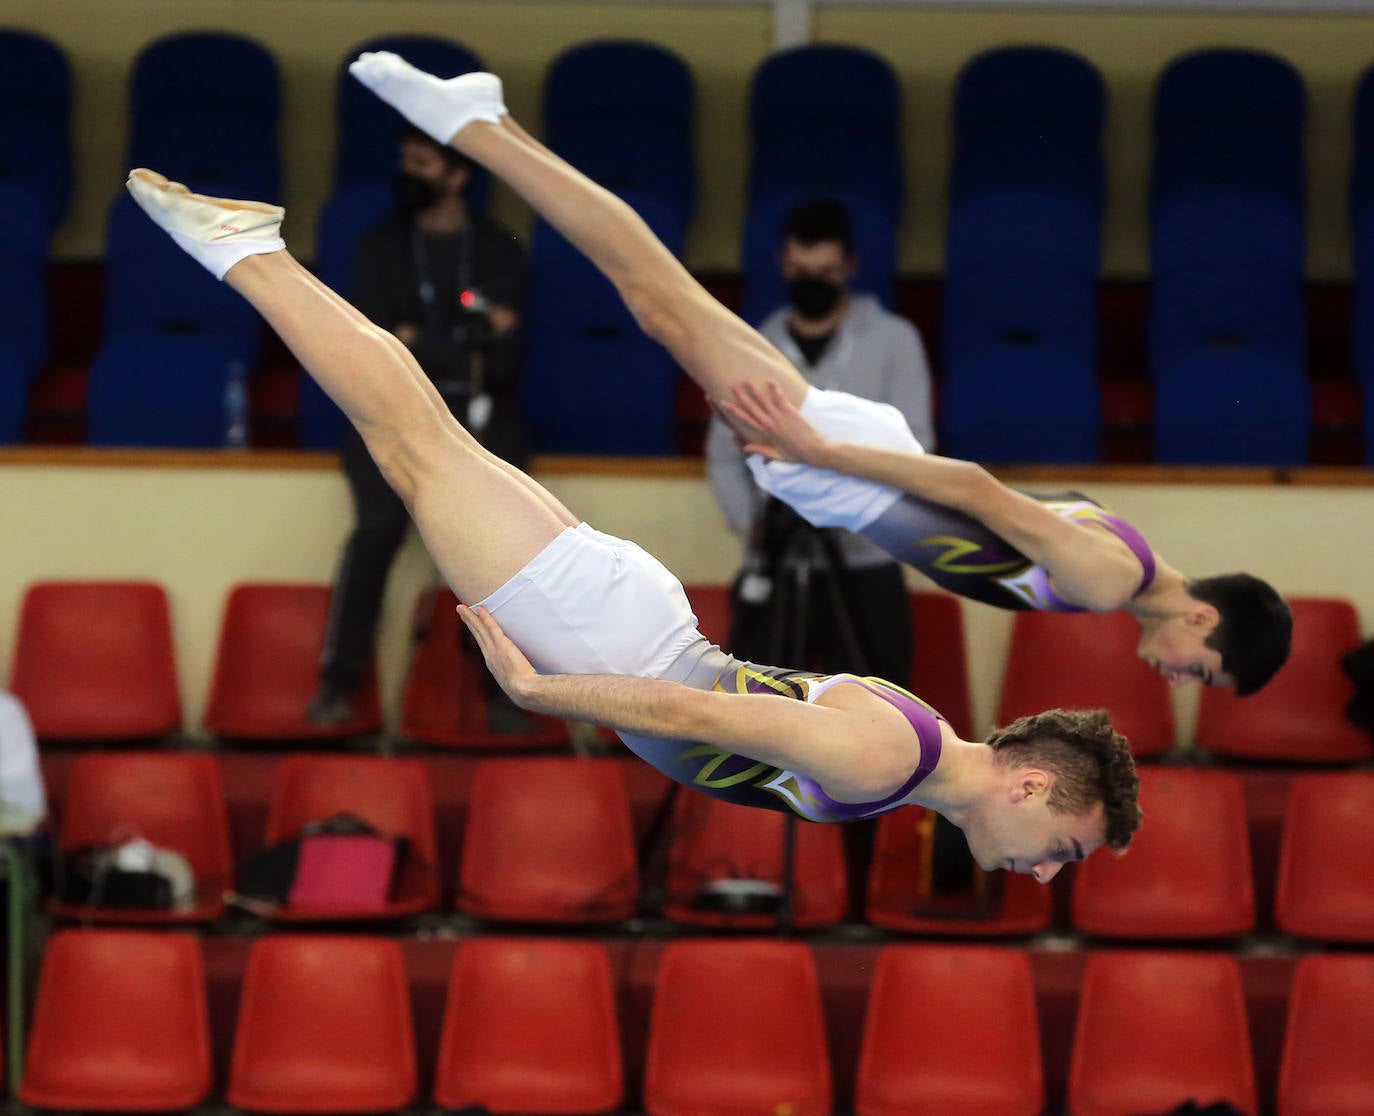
<point>1021,332</point>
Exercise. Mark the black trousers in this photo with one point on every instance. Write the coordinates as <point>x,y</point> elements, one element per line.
<point>379,526</point>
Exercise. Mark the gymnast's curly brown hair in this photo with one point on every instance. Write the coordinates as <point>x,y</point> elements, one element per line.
<point>1089,760</point>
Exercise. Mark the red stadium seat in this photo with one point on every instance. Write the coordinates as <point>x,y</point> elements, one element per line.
<point>175,800</point>
<point>1157,1028</point>
<point>896,884</point>
<point>1087,661</point>
<point>391,795</point>
<point>324,1026</point>
<point>715,840</point>
<point>1326,865</point>
<point>268,667</point>
<point>120,1024</point>
<point>530,1026</point>
<point>1300,716</point>
<point>737,1029</point>
<point>445,698</point>
<point>1193,818</point>
<point>950,1029</point>
<point>549,840</point>
<point>939,659</point>
<point>93,661</point>
<point>711,603</point>
<point>1326,1068</point>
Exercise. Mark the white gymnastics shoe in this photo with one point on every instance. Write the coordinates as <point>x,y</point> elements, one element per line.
<point>438,108</point>
<point>216,232</point>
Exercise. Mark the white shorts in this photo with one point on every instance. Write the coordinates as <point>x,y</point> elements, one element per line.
<point>590,603</point>
<point>826,499</point>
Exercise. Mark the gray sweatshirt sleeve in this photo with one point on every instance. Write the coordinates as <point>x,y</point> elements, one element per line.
<point>730,480</point>
<point>908,380</point>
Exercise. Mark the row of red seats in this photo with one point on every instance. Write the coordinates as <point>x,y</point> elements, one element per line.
<point>325,1025</point>
<point>550,840</point>
<point>94,661</point>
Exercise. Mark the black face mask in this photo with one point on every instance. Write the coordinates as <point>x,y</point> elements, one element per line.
<point>814,297</point>
<point>413,192</point>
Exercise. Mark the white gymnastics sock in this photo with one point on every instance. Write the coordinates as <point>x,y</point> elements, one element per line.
<point>438,108</point>
<point>216,232</point>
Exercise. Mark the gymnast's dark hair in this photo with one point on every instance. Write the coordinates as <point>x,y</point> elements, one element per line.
<point>455,159</point>
<point>1255,631</point>
<point>819,220</point>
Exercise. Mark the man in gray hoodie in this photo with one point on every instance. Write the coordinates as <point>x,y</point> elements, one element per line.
<point>848,342</point>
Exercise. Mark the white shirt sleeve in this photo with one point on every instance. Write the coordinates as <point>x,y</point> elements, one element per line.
<point>23,801</point>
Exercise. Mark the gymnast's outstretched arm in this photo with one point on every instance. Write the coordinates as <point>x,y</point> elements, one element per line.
<point>1088,567</point>
<point>864,754</point>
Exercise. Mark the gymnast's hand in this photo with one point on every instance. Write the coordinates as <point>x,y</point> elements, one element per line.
<point>786,435</point>
<point>506,662</point>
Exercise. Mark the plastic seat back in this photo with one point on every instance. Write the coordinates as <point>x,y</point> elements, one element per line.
<point>715,841</point>
<point>35,120</point>
<point>530,1026</point>
<point>173,800</point>
<point>899,887</point>
<point>1326,1069</point>
<point>93,661</point>
<point>267,667</point>
<point>1154,1028</point>
<point>392,795</point>
<point>1192,817</point>
<point>1326,863</point>
<point>1087,661</point>
<point>1300,716</point>
<point>446,688</point>
<point>549,840</point>
<point>939,658</point>
<point>755,1004</point>
<point>120,1024</point>
<point>324,1026</point>
<point>950,1029</point>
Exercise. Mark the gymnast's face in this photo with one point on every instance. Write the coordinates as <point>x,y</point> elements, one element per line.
<point>1016,830</point>
<point>1177,648</point>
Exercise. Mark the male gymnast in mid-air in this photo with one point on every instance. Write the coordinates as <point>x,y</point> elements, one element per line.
<point>579,624</point>
<point>950,519</point>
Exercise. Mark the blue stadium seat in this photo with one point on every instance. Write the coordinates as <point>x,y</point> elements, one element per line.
<point>35,120</point>
<point>1225,310</point>
<point>1020,350</point>
<point>157,390</point>
<point>1029,118</point>
<point>593,382</point>
<point>24,240</point>
<point>153,287</point>
<point>1006,309</point>
<point>1229,119</point>
<point>825,120</point>
<point>15,376</point>
<point>343,220</point>
<point>1018,228</point>
<point>204,110</point>
<point>1022,404</point>
<point>1210,229</point>
<point>875,242</point>
<point>623,113</point>
<point>368,126</point>
<point>1233,407</point>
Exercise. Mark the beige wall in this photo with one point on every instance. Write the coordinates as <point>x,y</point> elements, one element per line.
<point>722,43</point>
<point>200,530</point>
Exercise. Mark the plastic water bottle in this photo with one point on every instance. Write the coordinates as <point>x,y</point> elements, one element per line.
<point>236,406</point>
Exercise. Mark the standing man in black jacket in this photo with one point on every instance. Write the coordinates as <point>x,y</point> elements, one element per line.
<point>450,284</point>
